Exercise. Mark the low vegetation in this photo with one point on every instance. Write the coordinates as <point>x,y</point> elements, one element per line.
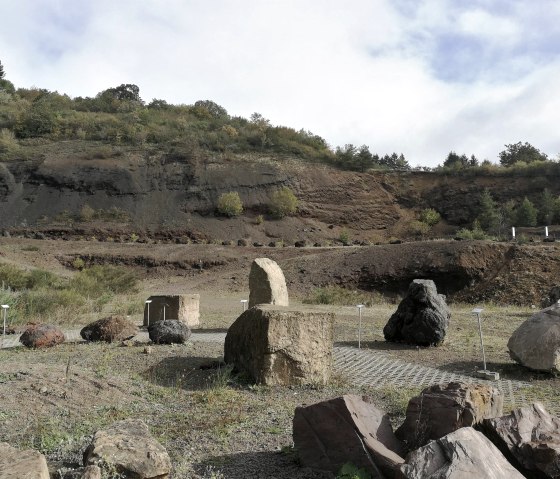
<point>39,295</point>
<point>283,203</point>
<point>230,204</point>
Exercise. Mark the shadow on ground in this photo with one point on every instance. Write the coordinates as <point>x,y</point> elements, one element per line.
<point>511,371</point>
<point>257,465</point>
<point>192,373</point>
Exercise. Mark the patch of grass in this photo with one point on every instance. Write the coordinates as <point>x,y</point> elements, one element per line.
<point>30,248</point>
<point>337,295</point>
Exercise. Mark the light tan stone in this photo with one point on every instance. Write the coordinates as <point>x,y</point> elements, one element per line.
<point>536,342</point>
<point>183,307</point>
<point>278,345</point>
<point>22,464</point>
<point>129,447</point>
<point>267,284</point>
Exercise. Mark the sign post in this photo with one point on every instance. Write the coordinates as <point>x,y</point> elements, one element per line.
<point>244,304</point>
<point>484,373</point>
<point>5,308</point>
<point>148,301</point>
<point>360,306</point>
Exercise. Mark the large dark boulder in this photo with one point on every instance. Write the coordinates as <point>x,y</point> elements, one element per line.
<point>350,428</point>
<point>112,328</point>
<point>422,317</point>
<point>42,336</point>
<point>443,408</point>
<point>169,331</point>
<point>530,438</point>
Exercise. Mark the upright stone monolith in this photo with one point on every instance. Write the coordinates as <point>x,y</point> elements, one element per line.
<point>267,284</point>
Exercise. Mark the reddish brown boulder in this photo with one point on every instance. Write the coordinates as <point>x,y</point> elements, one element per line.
<point>529,437</point>
<point>331,433</point>
<point>112,328</point>
<point>42,336</point>
<point>443,408</point>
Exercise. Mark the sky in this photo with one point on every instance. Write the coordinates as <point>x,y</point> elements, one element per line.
<point>421,77</point>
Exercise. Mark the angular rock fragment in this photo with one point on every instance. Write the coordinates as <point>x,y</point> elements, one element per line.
<point>463,454</point>
<point>530,438</point>
<point>347,429</point>
<point>22,464</point>
<point>443,408</point>
<point>128,448</point>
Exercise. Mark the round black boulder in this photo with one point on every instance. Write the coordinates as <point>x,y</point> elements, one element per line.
<point>169,331</point>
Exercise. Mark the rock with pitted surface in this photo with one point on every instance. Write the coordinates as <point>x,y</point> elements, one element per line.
<point>443,408</point>
<point>463,454</point>
<point>350,428</point>
<point>22,464</point>
<point>281,345</point>
<point>536,342</point>
<point>110,329</point>
<point>170,331</point>
<point>422,317</point>
<point>267,284</point>
<point>530,438</point>
<point>129,449</point>
<point>42,336</point>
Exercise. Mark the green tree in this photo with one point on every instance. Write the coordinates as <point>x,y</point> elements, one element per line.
<point>229,204</point>
<point>215,110</point>
<point>2,72</point>
<point>364,158</point>
<point>526,213</point>
<point>546,207</point>
<point>520,152</point>
<point>487,212</point>
<point>283,202</point>
<point>506,217</point>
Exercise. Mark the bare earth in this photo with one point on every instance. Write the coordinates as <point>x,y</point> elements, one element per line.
<point>216,425</point>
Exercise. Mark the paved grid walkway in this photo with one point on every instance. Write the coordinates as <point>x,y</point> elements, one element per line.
<point>365,367</point>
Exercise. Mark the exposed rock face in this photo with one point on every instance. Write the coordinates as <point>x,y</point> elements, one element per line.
<point>346,429</point>
<point>536,342</point>
<point>281,346</point>
<point>183,307</point>
<point>267,284</point>
<point>443,408</point>
<point>112,328</point>
<point>169,331</point>
<point>422,317</point>
<point>42,336</point>
<point>530,438</point>
<point>463,454</point>
<point>128,447</point>
<point>552,298</point>
<point>26,464</point>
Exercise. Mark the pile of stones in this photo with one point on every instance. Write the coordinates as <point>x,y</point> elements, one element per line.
<point>454,430</point>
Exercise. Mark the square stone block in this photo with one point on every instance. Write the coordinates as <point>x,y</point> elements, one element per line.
<point>282,345</point>
<point>183,307</point>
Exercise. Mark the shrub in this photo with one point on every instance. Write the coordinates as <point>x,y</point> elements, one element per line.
<point>283,203</point>
<point>98,280</point>
<point>87,213</point>
<point>229,204</point>
<point>259,220</point>
<point>430,216</point>
<point>417,228</point>
<point>344,237</point>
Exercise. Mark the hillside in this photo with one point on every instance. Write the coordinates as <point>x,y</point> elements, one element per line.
<point>149,190</point>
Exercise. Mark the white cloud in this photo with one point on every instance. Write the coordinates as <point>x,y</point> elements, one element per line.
<point>359,71</point>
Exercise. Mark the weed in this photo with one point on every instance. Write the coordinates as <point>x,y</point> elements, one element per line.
<point>350,471</point>
<point>30,248</point>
